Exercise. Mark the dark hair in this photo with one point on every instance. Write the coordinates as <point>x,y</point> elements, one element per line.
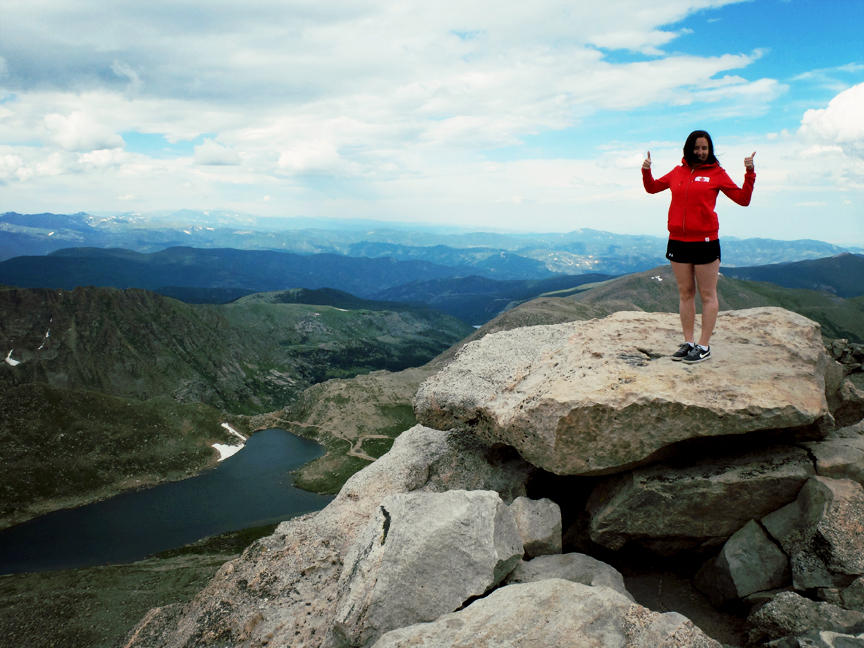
<point>690,146</point>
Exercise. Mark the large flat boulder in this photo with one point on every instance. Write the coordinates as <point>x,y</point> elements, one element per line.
<point>602,396</point>
<point>670,508</point>
<point>553,614</point>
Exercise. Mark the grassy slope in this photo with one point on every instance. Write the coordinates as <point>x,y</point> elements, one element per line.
<point>842,275</point>
<point>139,345</point>
<point>62,448</point>
<point>340,343</point>
<point>838,317</point>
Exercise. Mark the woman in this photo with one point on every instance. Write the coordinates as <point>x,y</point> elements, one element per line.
<point>694,246</point>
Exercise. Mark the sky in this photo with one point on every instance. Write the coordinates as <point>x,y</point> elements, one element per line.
<point>516,116</point>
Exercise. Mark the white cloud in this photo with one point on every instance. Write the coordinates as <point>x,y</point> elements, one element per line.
<point>311,157</point>
<point>78,132</point>
<point>213,153</point>
<point>840,124</point>
<point>103,158</point>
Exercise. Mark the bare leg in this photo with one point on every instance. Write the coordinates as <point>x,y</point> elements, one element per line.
<point>685,277</point>
<point>706,278</point>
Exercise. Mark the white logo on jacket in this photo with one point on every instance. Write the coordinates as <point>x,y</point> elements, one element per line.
<point>702,179</point>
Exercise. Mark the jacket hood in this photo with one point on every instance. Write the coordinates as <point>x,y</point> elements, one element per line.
<point>701,166</point>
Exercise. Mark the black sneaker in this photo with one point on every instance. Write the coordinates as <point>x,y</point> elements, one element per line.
<point>697,354</point>
<point>681,353</point>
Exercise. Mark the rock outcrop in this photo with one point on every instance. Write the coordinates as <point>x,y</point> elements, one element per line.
<point>791,614</point>
<point>749,562</point>
<point>821,532</point>
<point>839,458</point>
<point>423,555</point>
<point>425,546</point>
<point>574,567</point>
<point>284,587</point>
<point>602,396</point>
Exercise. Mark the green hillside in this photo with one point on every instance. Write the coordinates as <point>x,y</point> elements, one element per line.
<point>842,274</point>
<point>106,389</point>
<point>64,447</point>
<point>336,342</point>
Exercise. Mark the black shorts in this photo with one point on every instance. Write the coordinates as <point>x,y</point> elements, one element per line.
<point>697,252</point>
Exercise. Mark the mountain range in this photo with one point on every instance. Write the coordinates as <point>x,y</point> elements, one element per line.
<point>497,255</point>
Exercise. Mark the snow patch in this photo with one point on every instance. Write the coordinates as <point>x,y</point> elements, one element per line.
<point>657,278</point>
<point>226,451</point>
<point>234,432</point>
<point>10,361</point>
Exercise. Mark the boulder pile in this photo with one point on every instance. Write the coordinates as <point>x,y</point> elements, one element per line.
<point>459,535</point>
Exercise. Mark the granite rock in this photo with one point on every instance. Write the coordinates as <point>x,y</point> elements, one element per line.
<point>822,532</point>
<point>552,613</point>
<point>539,523</point>
<point>574,567</point>
<point>602,396</point>
<point>790,614</point>
<point>668,508</point>
<point>283,589</point>
<point>749,562</point>
<point>423,555</point>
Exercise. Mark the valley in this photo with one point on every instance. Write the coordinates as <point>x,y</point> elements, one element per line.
<point>110,385</point>
<point>118,389</point>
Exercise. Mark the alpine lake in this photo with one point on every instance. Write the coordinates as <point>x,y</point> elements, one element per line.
<point>251,488</point>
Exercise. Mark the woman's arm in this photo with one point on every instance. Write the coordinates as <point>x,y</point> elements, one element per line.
<point>651,185</point>
<point>741,196</point>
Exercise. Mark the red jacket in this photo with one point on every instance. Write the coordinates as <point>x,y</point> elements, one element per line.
<point>694,193</point>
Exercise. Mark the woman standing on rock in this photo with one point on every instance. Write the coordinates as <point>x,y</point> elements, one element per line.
<point>694,246</point>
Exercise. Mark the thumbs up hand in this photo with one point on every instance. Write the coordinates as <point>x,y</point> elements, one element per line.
<point>647,163</point>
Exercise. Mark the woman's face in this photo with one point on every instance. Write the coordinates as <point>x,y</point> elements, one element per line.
<point>701,149</point>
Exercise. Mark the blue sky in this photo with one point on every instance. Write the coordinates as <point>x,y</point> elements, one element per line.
<point>485,114</point>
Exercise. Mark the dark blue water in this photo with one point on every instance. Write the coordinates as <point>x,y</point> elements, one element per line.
<point>252,488</point>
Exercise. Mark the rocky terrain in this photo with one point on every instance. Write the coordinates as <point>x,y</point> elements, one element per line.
<point>342,414</point>
<point>558,469</point>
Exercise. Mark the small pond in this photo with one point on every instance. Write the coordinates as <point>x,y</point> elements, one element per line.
<point>251,488</point>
